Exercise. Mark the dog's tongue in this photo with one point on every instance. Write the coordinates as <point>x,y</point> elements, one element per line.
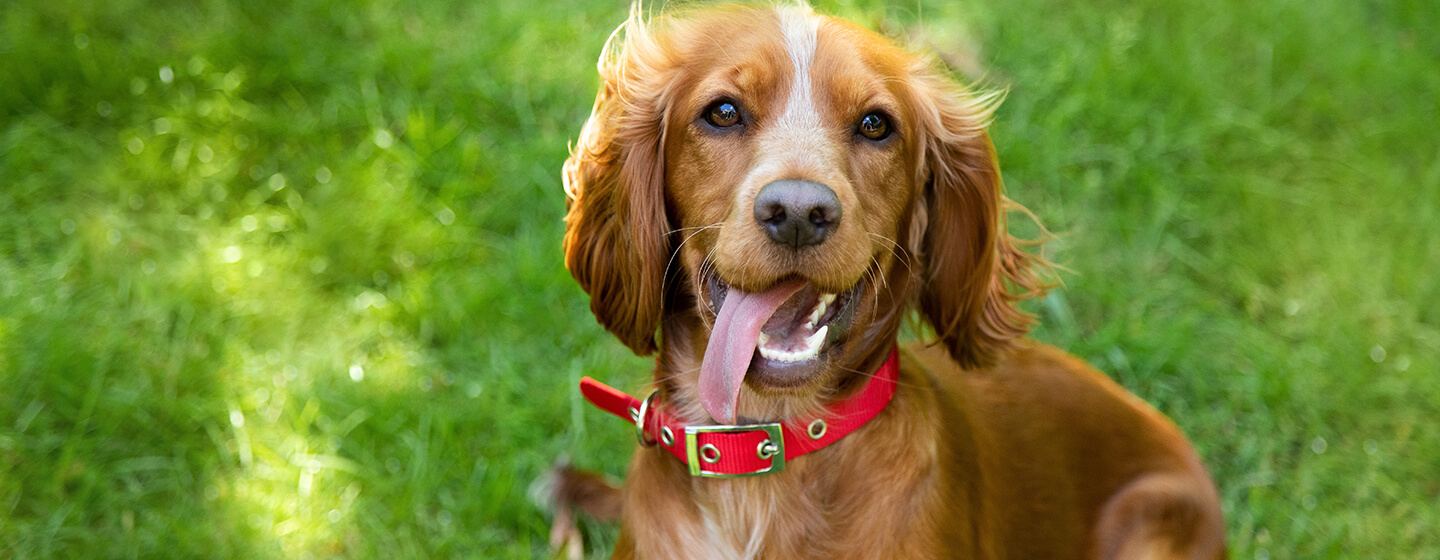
<point>732,344</point>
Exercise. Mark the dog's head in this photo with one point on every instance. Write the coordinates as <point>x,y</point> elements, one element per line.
<point>770,189</point>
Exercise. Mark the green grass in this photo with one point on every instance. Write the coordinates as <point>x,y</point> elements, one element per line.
<point>214,218</point>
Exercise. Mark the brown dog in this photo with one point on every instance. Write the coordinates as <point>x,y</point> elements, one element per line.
<point>772,190</point>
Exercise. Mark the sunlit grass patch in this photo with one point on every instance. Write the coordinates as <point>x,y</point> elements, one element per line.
<point>284,280</point>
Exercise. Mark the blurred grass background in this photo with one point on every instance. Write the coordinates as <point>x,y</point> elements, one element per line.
<point>283,279</point>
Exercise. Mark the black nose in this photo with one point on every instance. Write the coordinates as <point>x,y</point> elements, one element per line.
<point>797,213</point>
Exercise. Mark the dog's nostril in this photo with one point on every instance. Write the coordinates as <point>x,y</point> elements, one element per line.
<point>772,214</point>
<point>797,213</point>
<point>823,216</point>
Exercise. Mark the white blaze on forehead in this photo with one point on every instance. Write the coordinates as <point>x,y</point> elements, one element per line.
<point>795,144</point>
<point>800,26</point>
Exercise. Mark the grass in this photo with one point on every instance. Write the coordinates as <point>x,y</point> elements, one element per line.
<point>282,279</point>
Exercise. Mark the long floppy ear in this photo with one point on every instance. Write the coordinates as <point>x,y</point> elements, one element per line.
<point>616,245</point>
<point>971,261</point>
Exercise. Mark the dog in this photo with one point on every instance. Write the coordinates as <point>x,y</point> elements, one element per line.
<point>761,197</point>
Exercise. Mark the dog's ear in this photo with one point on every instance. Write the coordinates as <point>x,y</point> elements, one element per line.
<point>616,242</point>
<point>971,263</point>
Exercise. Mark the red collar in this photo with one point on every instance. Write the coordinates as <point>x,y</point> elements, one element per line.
<point>732,451</point>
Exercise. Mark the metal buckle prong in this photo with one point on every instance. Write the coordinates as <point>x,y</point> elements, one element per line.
<point>774,447</point>
<point>640,421</point>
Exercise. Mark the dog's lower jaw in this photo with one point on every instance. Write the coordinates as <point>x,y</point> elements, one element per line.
<point>852,361</point>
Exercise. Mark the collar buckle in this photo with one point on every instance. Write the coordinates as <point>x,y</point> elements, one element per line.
<point>771,448</point>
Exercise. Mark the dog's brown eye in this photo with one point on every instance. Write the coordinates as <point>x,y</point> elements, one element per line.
<point>874,126</point>
<point>723,114</point>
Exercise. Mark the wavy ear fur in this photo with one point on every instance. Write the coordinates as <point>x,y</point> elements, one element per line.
<point>616,245</point>
<point>971,261</point>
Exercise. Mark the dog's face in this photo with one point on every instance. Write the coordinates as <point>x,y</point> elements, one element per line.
<point>814,121</point>
<point>786,166</point>
<point>775,187</point>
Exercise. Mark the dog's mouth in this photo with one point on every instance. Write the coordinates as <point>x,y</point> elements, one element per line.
<point>777,338</point>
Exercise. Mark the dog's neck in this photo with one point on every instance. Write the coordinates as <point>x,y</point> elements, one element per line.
<point>789,514</point>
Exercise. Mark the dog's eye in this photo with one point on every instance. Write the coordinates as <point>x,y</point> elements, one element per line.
<point>874,126</point>
<point>723,114</point>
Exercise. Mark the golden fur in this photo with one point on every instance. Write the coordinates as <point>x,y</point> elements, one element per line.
<point>994,447</point>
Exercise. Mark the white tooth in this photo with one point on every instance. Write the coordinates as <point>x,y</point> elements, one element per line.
<point>810,325</point>
<point>807,353</point>
<point>815,341</point>
<point>819,310</point>
<point>762,341</point>
<point>827,299</point>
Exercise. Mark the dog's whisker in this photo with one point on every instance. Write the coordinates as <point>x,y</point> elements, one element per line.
<point>879,275</point>
<point>675,375</point>
<point>872,375</point>
<point>900,253</point>
<point>676,253</point>
<point>703,298</point>
<point>873,273</point>
<point>678,230</point>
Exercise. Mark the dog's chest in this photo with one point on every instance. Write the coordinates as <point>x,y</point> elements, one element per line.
<point>761,517</point>
<point>757,518</point>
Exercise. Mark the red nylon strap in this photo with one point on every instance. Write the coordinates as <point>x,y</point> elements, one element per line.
<point>738,449</point>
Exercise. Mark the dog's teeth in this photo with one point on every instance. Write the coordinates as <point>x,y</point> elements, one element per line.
<point>825,301</point>
<point>811,347</point>
<point>815,315</point>
<point>815,341</point>
<point>776,354</point>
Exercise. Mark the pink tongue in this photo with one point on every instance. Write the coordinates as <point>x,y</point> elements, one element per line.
<point>732,344</point>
